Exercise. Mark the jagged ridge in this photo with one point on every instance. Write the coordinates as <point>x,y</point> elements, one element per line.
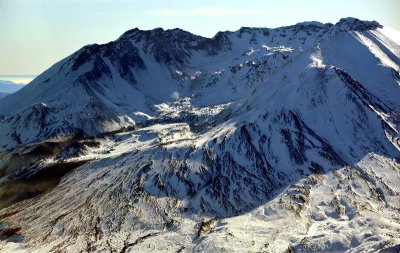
<point>257,140</point>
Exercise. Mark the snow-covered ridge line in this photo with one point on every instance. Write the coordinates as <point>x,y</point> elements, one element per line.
<point>259,140</point>
<point>119,70</point>
<point>344,24</point>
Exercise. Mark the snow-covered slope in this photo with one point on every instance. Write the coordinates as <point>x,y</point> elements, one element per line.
<point>272,140</point>
<point>3,94</point>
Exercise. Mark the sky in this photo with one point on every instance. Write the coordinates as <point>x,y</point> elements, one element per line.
<point>35,34</point>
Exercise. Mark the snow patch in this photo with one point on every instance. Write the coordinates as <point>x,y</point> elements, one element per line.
<point>175,95</point>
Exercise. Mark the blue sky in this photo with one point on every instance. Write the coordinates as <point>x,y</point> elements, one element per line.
<point>37,33</point>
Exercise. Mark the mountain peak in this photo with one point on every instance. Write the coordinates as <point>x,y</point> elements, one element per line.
<point>180,35</point>
<point>313,23</point>
<point>354,24</point>
<point>175,33</point>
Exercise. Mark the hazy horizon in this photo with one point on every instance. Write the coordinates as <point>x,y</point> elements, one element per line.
<point>18,79</point>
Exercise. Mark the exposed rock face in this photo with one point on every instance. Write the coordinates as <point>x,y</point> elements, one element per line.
<point>353,24</point>
<point>271,140</point>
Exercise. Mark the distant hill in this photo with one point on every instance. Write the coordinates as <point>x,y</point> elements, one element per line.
<point>9,87</point>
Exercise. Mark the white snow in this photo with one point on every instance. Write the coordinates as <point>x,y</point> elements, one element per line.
<point>287,141</point>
